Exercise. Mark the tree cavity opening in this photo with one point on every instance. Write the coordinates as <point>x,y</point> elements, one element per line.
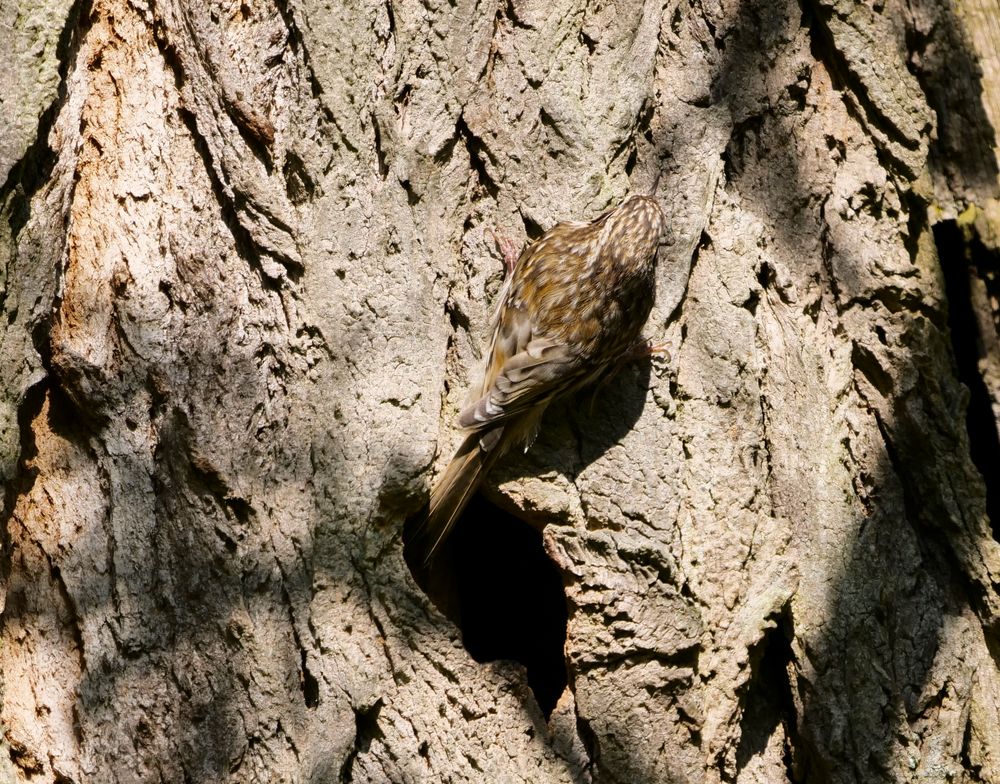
<point>493,579</point>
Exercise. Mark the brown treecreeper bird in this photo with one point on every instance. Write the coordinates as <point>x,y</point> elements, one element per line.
<point>569,314</point>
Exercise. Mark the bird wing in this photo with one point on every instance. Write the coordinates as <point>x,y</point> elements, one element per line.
<point>525,365</point>
<point>542,370</point>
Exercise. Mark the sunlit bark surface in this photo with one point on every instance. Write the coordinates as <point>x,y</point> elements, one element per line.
<point>246,273</point>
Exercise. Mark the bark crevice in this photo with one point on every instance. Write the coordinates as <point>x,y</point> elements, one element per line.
<point>972,284</point>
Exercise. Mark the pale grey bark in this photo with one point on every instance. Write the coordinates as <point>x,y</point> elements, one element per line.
<point>246,281</point>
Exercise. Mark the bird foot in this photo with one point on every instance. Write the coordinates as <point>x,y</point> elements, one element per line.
<point>509,249</point>
<point>645,348</point>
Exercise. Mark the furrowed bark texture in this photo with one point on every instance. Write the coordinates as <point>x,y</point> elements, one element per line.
<point>246,283</point>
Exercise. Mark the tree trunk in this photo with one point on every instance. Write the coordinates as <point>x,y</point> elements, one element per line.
<point>247,276</point>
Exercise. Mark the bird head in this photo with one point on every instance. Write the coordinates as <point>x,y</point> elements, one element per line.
<point>631,233</point>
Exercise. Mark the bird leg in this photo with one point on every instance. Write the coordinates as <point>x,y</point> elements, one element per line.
<point>508,249</point>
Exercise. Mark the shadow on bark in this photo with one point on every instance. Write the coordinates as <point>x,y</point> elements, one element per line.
<point>171,673</point>
<point>941,57</point>
<point>856,698</point>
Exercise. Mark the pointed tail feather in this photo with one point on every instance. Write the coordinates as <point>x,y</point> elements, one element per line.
<point>455,488</point>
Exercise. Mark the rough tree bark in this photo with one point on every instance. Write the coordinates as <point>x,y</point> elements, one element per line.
<point>246,282</point>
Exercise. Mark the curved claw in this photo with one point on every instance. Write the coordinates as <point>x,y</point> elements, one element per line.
<point>508,249</point>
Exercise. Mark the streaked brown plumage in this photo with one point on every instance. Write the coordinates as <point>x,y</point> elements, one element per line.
<point>573,307</point>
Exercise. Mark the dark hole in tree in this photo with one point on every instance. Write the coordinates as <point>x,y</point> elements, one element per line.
<point>965,262</point>
<point>768,703</point>
<point>494,580</point>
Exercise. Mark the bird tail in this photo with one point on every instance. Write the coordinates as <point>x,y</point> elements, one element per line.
<point>453,491</point>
